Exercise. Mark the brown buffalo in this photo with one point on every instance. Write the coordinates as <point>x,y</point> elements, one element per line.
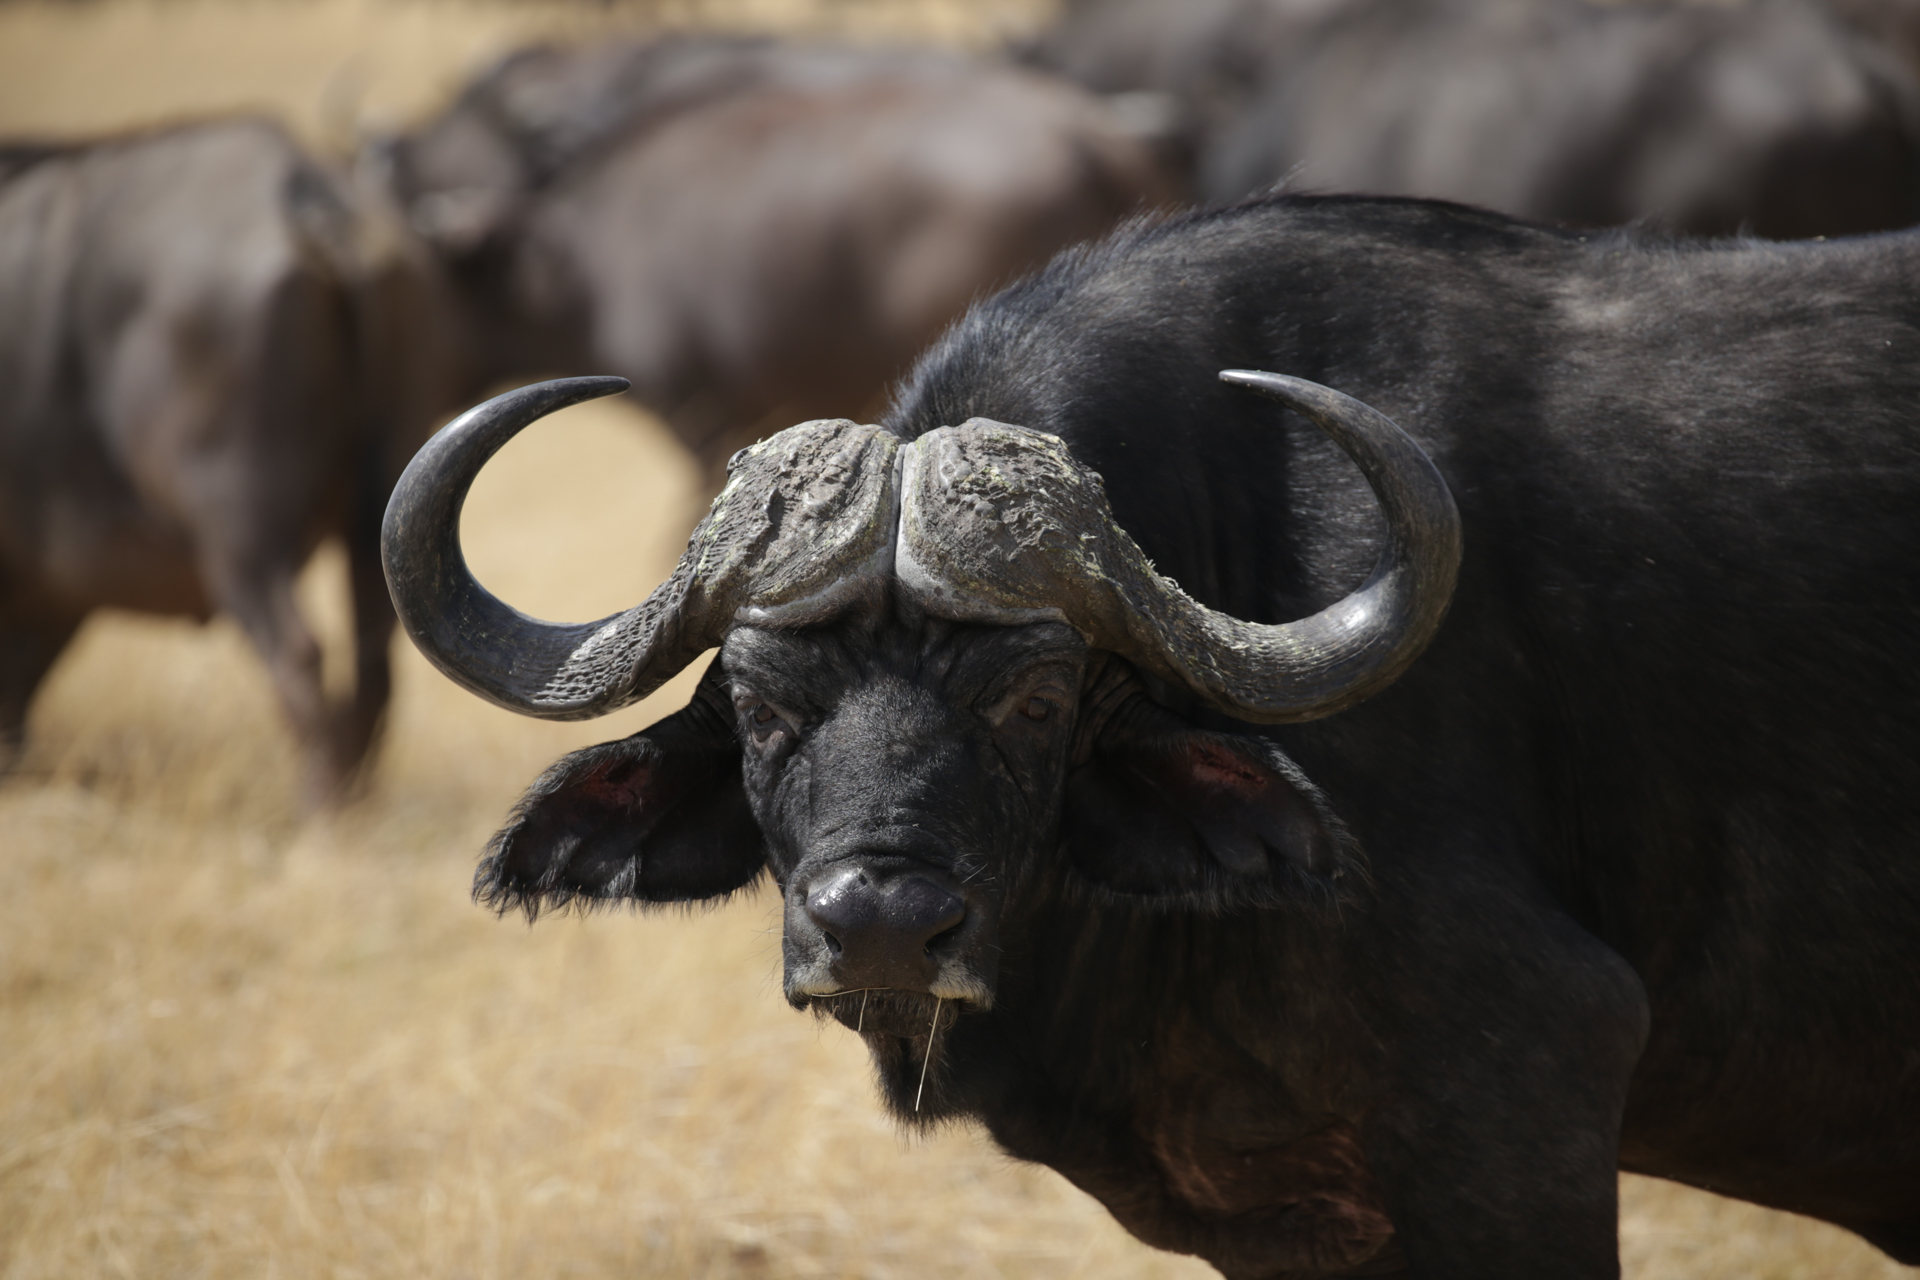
<point>751,231</point>
<point>1769,117</point>
<point>1892,23</point>
<point>213,354</point>
<point>1201,60</point>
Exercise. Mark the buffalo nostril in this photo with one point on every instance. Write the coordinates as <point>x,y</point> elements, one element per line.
<point>882,932</point>
<point>945,936</point>
<point>844,906</point>
<point>920,906</point>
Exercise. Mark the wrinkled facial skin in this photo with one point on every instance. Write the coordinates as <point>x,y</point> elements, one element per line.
<point>906,777</point>
<point>914,785</point>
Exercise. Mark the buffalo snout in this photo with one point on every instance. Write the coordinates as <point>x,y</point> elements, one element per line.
<point>883,933</point>
<point>868,927</point>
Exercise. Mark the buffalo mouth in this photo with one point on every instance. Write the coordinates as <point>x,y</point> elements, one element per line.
<point>892,1012</point>
<point>906,1032</point>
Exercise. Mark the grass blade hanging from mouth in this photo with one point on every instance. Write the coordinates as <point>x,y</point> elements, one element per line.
<point>928,1061</point>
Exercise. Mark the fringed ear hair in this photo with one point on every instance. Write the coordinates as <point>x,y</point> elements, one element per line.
<point>658,817</point>
<point>1158,809</point>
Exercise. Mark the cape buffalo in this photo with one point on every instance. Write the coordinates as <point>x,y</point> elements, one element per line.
<point>1205,58</point>
<point>1893,23</point>
<point>750,230</point>
<point>1301,954</point>
<point>1767,118</point>
<point>212,354</point>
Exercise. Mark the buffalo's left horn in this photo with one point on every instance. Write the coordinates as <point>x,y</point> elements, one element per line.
<point>804,524</point>
<point>1001,524</point>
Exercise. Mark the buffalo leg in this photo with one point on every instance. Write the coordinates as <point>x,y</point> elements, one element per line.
<point>373,623</point>
<point>259,596</point>
<point>271,466</point>
<point>1496,1148</point>
<point>29,644</point>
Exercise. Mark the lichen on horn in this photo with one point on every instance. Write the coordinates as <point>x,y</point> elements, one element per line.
<point>986,522</point>
<point>803,528</point>
<point>1000,524</point>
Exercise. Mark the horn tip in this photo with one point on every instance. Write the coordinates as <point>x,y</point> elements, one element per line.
<point>592,387</point>
<point>1259,378</point>
<point>1294,393</point>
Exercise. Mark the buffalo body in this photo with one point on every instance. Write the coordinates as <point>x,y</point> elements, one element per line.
<point>1619,873</point>
<point>212,354</point>
<point>1769,118</point>
<point>746,229</point>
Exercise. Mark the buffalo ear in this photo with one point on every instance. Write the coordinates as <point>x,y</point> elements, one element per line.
<point>1159,809</point>
<point>658,817</point>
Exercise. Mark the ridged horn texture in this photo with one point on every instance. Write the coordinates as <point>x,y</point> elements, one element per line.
<point>983,522</point>
<point>803,528</point>
<point>1001,524</point>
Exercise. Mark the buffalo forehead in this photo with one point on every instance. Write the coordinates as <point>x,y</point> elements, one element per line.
<point>807,519</point>
<point>985,522</point>
<point>990,515</point>
<point>806,670</point>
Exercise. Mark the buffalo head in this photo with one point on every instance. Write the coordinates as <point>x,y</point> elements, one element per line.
<point>943,685</point>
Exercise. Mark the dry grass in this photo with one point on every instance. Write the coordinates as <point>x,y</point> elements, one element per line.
<point>234,1043</point>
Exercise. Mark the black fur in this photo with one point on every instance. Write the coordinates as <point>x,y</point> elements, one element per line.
<point>1638,821</point>
<point>1185,819</point>
<point>1639,887</point>
<point>659,817</point>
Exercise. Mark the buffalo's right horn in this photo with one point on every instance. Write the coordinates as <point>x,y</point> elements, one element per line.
<point>1001,524</point>
<point>803,527</point>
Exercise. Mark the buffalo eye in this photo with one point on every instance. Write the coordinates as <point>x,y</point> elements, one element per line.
<point>763,720</point>
<point>1036,708</point>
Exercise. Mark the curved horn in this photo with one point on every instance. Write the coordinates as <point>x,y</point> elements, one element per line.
<point>1000,524</point>
<point>803,528</point>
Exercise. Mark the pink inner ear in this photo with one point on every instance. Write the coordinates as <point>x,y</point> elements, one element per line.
<point>1213,766</point>
<point>616,784</point>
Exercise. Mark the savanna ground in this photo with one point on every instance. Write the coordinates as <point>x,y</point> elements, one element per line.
<point>238,1042</point>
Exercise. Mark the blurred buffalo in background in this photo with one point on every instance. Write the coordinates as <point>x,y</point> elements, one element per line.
<point>1893,23</point>
<point>213,354</point>
<point>1201,61</point>
<point>1772,118</point>
<point>752,232</point>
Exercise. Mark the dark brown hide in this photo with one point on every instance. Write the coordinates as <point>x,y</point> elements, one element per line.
<point>753,234</point>
<point>1225,1149</point>
<point>1768,117</point>
<point>1893,24</point>
<point>213,354</point>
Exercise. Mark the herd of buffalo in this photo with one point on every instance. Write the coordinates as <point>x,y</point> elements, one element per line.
<point>1362,680</point>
